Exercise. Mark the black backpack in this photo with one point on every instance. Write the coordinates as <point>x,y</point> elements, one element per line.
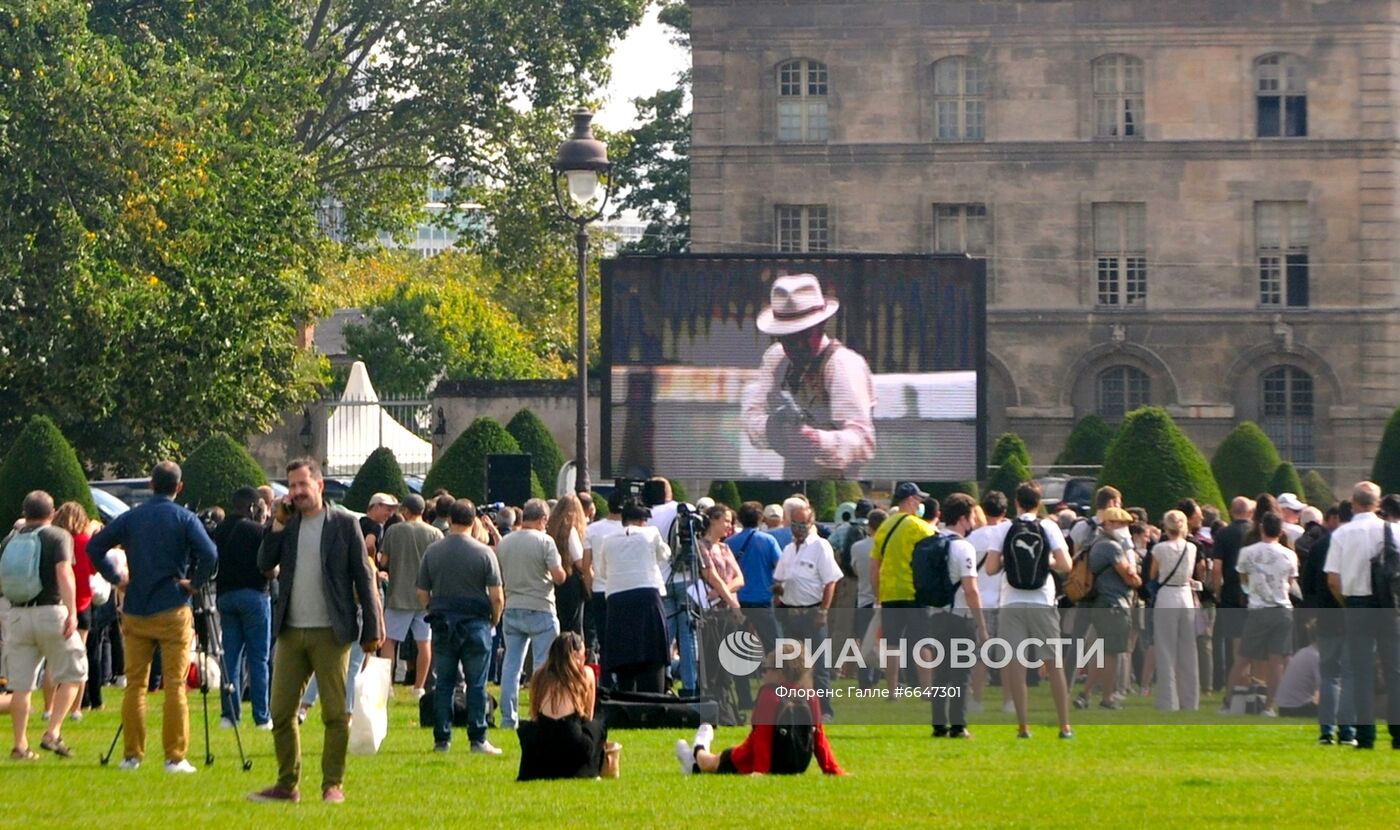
<point>1385,571</point>
<point>854,533</point>
<point>1025,555</point>
<point>932,587</point>
<point>794,737</point>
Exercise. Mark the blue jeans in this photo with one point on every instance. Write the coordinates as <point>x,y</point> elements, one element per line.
<point>1336,710</point>
<point>521,628</point>
<point>246,618</point>
<point>357,659</point>
<point>678,624</point>
<point>464,640</point>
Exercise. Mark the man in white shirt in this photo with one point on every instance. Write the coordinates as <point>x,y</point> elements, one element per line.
<point>596,621</point>
<point>1030,613</point>
<point>806,579</point>
<point>1371,631</point>
<point>1270,572</point>
<point>963,623</point>
<point>994,506</point>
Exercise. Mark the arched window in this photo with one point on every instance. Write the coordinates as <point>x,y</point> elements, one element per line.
<point>1118,101</point>
<point>1281,96</point>
<point>802,101</point>
<point>958,108</point>
<point>1121,390</point>
<point>1286,412</point>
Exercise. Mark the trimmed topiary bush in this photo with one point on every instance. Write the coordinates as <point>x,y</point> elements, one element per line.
<point>1386,470</point>
<point>725,492</point>
<point>1007,445</point>
<point>600,505</point>
<point>849,491</point>
<point>768,492</point>
<point>214,470</point>
<point>1244,462</point>
<point>461,470</point>
<point>678,491</point>
<point>380,473</point>
<point>1317,492</point>
<point>41,459</point>
<point>535,438</point>
<point>1009,476</point>
<point>1155,465</point>
<point>1086,445</point>
<point>822,495</point>
<point>1285,480</point>
<point>941,490</point>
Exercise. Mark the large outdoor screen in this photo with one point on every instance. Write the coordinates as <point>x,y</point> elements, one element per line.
<point>792,367</point>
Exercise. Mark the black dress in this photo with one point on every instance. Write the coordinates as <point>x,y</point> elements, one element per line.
<point>569,747</point>
<point>570,597</point>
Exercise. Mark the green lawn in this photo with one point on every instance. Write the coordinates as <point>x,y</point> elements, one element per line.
<point>1240,773</point>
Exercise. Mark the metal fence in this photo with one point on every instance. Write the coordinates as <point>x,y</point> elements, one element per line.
<point>354,429</point>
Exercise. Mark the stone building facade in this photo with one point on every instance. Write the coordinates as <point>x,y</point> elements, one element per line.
<point>1190,204</point>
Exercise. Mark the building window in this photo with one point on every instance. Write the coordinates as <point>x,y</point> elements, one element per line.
<point>1281,96</point>
<point>958,90</point>
<point>1120,252</point>
<point>1281,243</point>
<point>1121,390</point>
<point>1118,102</point>
<point>1286,395</point>
<point>802,228</point>
<point>802,101</point>
<point>960,229</point>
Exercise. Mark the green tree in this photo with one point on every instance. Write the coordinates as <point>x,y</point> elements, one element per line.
<point>725,492</point>
<point>1085,446</point>
<point>41,459</point>
<point>678,491</point>
<point>380,473</point>
<point>1010,475</point>
<point>943,489</point>
<point>1285,480</point>
<point>214,470</point>
<point>1244,461</point>
<point>1007,445</point>
<point>769,492</point>
<point>822,496</point>
<point>1386,470</point>
<point>461,469</point>
<point>535,438</point>
<point>1317,492</point>
<point>1176,469</point>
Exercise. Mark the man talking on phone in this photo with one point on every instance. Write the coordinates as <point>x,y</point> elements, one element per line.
<point>326,600</point>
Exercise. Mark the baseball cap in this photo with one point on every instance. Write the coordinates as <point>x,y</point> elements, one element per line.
<point>863,508</point>
<point>383,498</point>
<point>1290,501</point>
<point>705,503</point>
<point>905,490</point>
<point>773,511</point>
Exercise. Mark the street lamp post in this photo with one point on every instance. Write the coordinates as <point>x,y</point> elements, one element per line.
<point>582,161</point>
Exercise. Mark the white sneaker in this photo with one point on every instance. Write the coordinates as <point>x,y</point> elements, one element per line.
<point>78,715</point>
<point>130,764</point>
<point>182,767</point>
<point>686,756</point>
<point>1008,708</point>
<point>485,748</point>
<point>265,726</point>
<point>47,715</point>
<point>225,723</point>
<point>704,736</point>
<point>975,707</point>
<point>418,693</point>
<point>1270,713</point>
<point>119,681</point>
<point>301,714</point>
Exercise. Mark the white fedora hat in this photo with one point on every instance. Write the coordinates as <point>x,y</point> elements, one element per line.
<point>795,304</point>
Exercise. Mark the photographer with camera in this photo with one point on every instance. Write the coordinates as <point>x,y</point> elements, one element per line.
<point>814,399</point>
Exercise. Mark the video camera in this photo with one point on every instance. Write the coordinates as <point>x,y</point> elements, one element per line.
<point>489,510</point>
<point>648,492</point>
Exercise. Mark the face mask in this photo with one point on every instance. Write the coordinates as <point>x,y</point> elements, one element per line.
<point>920,511</point>
<point>1123,535</point>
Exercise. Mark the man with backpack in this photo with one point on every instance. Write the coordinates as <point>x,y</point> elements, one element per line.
<point>1029,549</point>
<point>892,576</point>
<point>945,579</point>
<point>36,576</point>
<point>1112,578</point>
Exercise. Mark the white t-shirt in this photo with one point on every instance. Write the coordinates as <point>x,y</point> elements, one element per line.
<point>988,585</point>
<point>575,546</point>
<point>1301,680</point>
<point>1270,567</point>
<point>593,537</point>
<point>860,563</point>
<point>806,571</point>
<point>1045,594</point>
<point>1349,556</point>
<point>962,562</point>
<point>663,516</point>
<point>630,559</point>
<point>1292,531</point>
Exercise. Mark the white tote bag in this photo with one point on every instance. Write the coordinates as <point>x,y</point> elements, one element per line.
<point>870,643</point>
<point>370,721</point>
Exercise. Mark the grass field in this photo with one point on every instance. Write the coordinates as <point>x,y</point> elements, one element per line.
<point>1237,774</point>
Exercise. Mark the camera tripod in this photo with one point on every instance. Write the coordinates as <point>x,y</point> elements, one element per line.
<point>209,640</point>
<point>716,684</point>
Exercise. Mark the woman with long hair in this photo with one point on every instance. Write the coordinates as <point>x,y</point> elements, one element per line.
<point>71,517</point>
<point>566,526</point>
<point>562,739</point>
<point>724,577</point>
<point>1174,616</point>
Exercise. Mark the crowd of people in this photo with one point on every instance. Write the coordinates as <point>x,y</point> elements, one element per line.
<point>1180,609</point>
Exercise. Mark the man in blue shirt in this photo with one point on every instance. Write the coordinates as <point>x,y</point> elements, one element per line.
<point>160,539</point>
<point>757,553</point>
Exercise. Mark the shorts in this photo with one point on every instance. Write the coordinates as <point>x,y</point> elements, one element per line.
<point>905,622</point>
<point>398,623</point>
<point>1110,625</point>
<point>85,619</point>
<point>1268,632</point>
<point>1022,621</point>
<point>34,636</point>
<point>726,763</point>
<point>1229,622</point>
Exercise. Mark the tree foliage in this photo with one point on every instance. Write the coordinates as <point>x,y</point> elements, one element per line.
<point>1285,480</point>
<point>849,491</point>
<point>214,470</point>
<point>534,437</point>
<point>941,490</point>
<point>461,469</point>
<point>41,459</point>
<point>1007,445</point>
<point>1086,445</point>
<point>1244,461</point>
<point>380,473</point>
<point>1154,464</point>
<point>1010,475</point>
<point>1317,492</point>
<point>725,492</point>
<point>1386,469</point>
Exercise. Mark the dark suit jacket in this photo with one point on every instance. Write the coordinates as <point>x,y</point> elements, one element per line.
<point>345,575</point>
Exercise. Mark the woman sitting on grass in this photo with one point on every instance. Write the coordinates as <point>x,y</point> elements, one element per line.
<point>562,739</point>
<point>787,730</point>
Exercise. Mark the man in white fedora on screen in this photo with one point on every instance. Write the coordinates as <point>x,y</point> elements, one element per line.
<point>813,399</point>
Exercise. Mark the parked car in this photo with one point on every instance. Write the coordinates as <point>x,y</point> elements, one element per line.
<point>336,487</point>
<point>414,483</point>
<point>1076,492</point>
<point>108,506</point>
<point>131,491</point>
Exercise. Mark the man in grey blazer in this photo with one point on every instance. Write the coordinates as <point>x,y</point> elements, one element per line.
<point>326,589</point>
